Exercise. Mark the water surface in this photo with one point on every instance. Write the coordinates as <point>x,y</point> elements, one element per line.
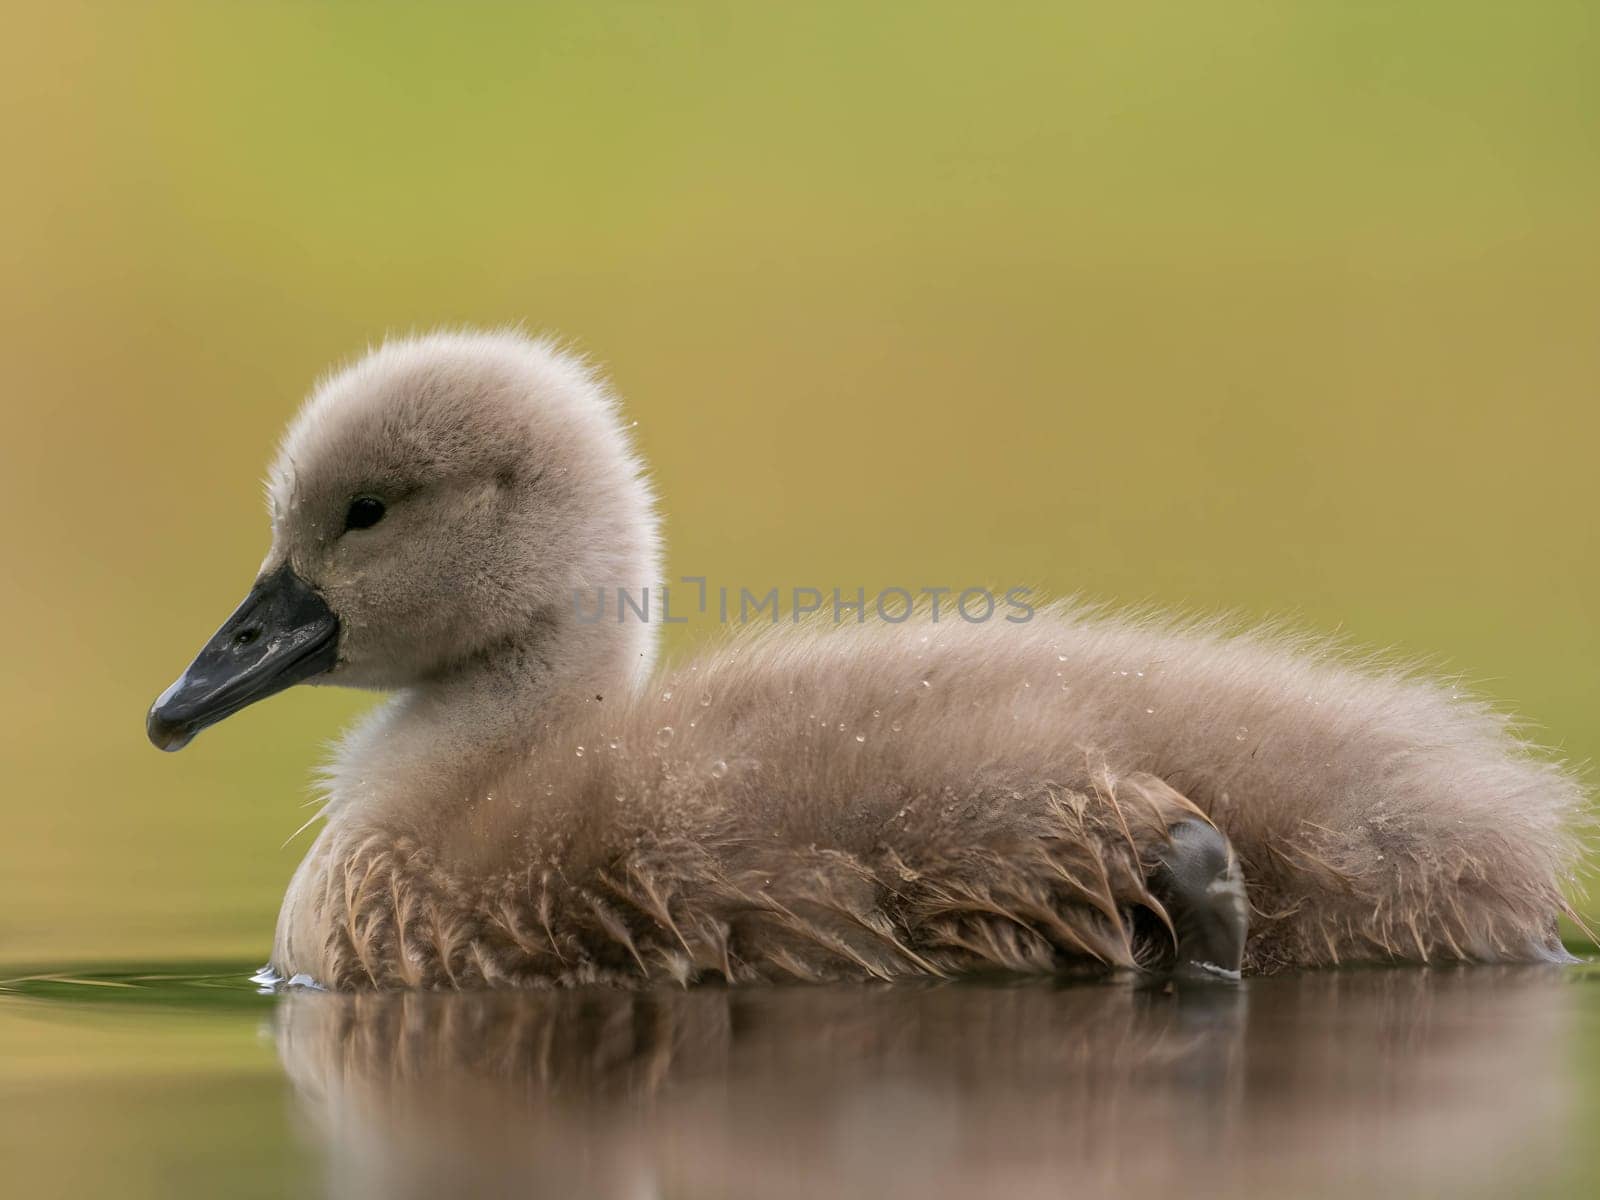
<point>185,1080</point>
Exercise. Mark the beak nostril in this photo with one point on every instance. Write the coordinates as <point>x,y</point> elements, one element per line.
<point>280,635</point>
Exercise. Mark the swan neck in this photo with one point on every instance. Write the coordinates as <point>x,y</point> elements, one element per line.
<point>442,735</point>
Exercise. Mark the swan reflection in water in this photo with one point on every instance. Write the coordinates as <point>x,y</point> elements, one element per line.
<point>1398,1080</point>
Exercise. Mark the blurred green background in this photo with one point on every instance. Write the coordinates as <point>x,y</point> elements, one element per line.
<point>1288,309</point>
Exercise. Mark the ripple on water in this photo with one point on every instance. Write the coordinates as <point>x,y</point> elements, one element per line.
<point>183,984</point>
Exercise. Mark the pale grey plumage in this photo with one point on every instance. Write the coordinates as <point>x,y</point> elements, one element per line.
<point>878,801</point>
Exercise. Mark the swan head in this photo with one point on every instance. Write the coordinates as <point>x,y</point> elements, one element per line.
<point>440,500</point>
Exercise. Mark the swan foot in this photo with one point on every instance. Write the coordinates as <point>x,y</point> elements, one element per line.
<point>1198,881</point>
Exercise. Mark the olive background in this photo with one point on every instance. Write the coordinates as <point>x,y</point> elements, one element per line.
<point>1287,310</point>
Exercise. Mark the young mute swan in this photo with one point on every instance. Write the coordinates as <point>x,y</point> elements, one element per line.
<point>532,805</point>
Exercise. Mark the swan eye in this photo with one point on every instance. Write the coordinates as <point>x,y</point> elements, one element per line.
<point>364,512</point>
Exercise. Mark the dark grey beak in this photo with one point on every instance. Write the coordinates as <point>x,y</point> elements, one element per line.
<point>281,634</point>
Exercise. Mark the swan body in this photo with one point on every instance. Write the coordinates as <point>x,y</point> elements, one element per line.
<point>533,805</point>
